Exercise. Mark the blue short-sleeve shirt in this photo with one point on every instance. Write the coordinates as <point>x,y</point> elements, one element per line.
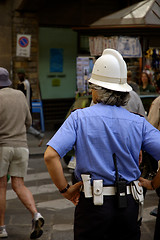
<point>99,131</point>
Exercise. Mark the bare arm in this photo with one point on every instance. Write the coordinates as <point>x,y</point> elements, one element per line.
<point>54,166</point>
<point>151,184</point>
<point>28,121</point>
<point>153,118</point>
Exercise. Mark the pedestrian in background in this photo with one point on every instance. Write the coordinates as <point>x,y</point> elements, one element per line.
<point>135,104</point>
<point>25,87</point>
<point>146,84</point>
<point>107,140</point>
<point>15,117</point>
<point>133,84</point>
<point>154,119</point>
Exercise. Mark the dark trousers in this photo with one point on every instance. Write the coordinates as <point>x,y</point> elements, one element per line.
<point>157,226</point>
<point>106,222</point>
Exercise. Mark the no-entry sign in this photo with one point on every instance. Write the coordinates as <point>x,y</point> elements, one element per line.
<point>23,45</point>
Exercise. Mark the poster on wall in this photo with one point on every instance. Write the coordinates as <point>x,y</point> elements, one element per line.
<point>129,47</point>
<point>56,60</point>
<point>99,43</point>
<point>84,70</point>
<point>23,45</point>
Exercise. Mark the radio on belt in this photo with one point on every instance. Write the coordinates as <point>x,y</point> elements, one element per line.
<point>121,187</point>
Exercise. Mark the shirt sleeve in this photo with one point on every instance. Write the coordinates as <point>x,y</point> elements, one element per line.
<point>64,139</point>
<point>151,140</point>
<point>154,113</point>
<point>28,121</point>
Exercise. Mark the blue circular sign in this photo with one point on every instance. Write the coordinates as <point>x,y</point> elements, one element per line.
<point>23,41</point>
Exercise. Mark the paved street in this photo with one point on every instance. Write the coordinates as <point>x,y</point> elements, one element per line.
<point>57,211</point>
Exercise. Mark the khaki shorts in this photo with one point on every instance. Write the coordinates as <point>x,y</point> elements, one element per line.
<point>13,161</point>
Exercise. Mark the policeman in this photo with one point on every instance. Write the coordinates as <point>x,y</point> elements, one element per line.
<point>107,140</point>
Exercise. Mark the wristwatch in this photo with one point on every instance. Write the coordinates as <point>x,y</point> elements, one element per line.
<point>65,189</point>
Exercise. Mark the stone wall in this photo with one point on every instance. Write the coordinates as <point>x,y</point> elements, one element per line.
<point>26,23</point>
<point>5,35</point>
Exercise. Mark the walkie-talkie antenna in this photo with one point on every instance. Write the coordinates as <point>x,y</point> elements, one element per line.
<point>115,164</point>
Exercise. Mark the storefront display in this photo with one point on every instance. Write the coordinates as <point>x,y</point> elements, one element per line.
<point>129,47</point>
<point>84,69</point>
<point>152,66</point>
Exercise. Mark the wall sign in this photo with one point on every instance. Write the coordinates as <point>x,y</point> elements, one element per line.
<point>23,45</point>
<point>56,60</point>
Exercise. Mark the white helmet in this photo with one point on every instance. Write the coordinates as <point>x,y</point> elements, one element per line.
<point>110,71</point>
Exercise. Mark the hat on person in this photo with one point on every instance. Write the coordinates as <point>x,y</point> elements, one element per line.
<point>4,78</point>
<point>21,70</point>
<point>110,71</point>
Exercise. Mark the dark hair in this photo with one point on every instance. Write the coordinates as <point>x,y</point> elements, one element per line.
<point>148,77</point>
